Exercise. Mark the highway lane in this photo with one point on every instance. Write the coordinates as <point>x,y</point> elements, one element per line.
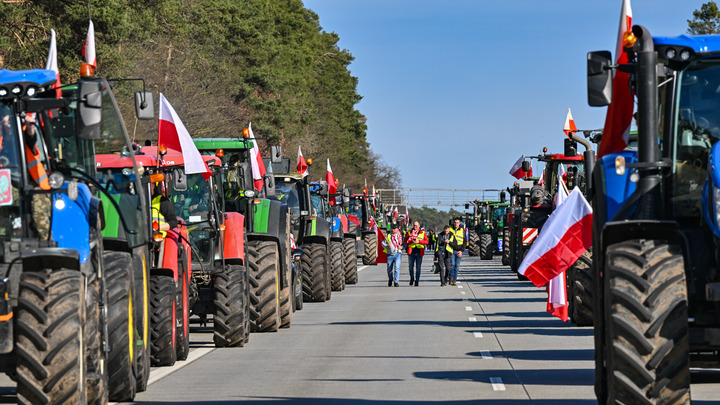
<point>488,340</point>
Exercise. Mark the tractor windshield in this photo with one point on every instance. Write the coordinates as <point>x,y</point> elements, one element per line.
<point>318,206</point>
<point>10,175</point>
<point>290,194</point>
<point>572,172</point>
<point>122,185</point>
<point>499,213</point>
<point>696,129</point>
<point>193,204</point>
<point>355,208</point>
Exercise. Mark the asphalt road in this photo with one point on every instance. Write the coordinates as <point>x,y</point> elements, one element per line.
<point>488,340</point>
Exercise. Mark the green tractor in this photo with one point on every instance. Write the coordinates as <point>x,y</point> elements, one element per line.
<point>267,228</point>
<point>486,227</point>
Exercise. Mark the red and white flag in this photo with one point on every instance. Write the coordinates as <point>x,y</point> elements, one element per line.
<point>332,183</point>
<point>301,164</point>
<point>569,124</point>
<point>258,166</point>
<point>52,64</point>
<point>566,235</point>
<point>517,171</point>
<point>562,192</point>
<point>557,304</point>
<point>620,111</point>
<point>541,182</point>
<point>173,135</point>
<point>89,46</point>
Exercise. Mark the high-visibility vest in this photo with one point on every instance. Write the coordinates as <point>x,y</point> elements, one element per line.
<point>36,168</point>
<point>157,215</point>
<point>459,235</point>
<point>420,235</point>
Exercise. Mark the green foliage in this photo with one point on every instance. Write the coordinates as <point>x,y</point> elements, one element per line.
<point>221,63</point>
<point>431,218</point>
<point>706,20</point>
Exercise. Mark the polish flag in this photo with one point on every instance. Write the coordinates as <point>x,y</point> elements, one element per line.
<point>557,304</point>
<point>52,64</point>
<point>566,235</point>
<point>301,164</point>
<point>517,171</point>
<point>541,182</point>
<point>620,111</point>
<point>173,135</point>
<point>562,192</point>
<point>332,183</point>
<point>89,46</point>
<point>258,166</point>
<point>569,124</point>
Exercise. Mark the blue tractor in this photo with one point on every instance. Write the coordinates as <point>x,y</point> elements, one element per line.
<point>656,231</point>
<point>59,303</point>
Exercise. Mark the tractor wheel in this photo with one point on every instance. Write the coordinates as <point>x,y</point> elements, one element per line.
<point>287,299</point>
<point>506,248</point>
<point>264,270</point>
<point>351,273</point>
<point>337,265</point>
<point>231,314</point>
<point>162,321</point>
<point>142,321</point>
<point>516,253</point>
<point>119,281</point>
<point>647,335</point>
<point>97,373</point>
<point>182,309</point>
<point>314,270</point>
<point>297,287</point>
<point>51,338</point>
<point>474,241</point>
<point>581,294</point>
<point>371,245</point>
<point>486,246</point>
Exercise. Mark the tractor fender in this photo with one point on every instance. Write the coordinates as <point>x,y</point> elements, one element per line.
<point>619,231</point>
<point>234,238</point>
<point>314,239</point>
<point>71,220</point>
<point>159,271</point>
<point>40,258</point>
<point>169,252</point>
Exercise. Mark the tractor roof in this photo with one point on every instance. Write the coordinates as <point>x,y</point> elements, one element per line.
<point>33,77</point>
<point>700,44</point>
<point>175,157</point>
<point>117,160</point>
<point>553,157</point>
<point>222,143</point>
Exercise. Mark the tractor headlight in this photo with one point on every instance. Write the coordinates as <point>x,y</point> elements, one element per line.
<point>716,201</point>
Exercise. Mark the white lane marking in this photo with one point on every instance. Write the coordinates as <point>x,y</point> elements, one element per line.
<point>472,319</point>
<point>160,373</point>
<point>361,268</point>
<point>477,334</point>
<point>468,308</point>
<point>485,354</point>
<point>462,292</point>
<point>497,384</point>
<point>459,286</point>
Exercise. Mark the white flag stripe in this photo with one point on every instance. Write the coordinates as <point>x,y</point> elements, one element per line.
<point>569,213</point>
<point>51,63</point>
<point>194,162</point>
<point>254,155</point>
<point>517,165</point>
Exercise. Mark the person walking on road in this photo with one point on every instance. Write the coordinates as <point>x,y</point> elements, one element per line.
<point>458,243</point>
<point>415,240</point>
<point>432,240</point>
<point>443,252</point>
<point>393,247</point>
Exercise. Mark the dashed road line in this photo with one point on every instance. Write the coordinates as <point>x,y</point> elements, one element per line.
<point>472,319</point>
<point>478,334</point>
<point>468,308</point>
<point>497,384</point>
<point>361,268</point>
<point>485,354</point>
<point>462,292</point>
<point>459,286</point>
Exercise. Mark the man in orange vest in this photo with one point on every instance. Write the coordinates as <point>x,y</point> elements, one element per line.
<point>416,239</point>
<point>41,204</point>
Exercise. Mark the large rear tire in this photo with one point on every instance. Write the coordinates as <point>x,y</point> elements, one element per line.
<point>337,265</point>
<point>50,337</point>
<point>287,300</point>
<point>474,247</point>
<point>351,274</point>
<point>264,270</point>
<point>647,335</point>
<point>231,316</point>
<point>314,271</point>
<point>162,321</point>
<point>142,320</point>
<point>122,338</point>
<point>581,292</point>
<point>371,246</point>
<point>506,248</point>
<point>486,246</point>
<point>182,308</point>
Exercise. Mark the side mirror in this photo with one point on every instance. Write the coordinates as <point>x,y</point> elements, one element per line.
<point>245,174</point>
<point>525,166</point>
<point>269,180</point>
<point>89,110</point>
<point>599,78</point>
<point>144,105</point>
<point>570,148</point>
<point>323,188</point>
<point>346,196</point>
<point>503,197</point>
<point>179,180</point>
<point>276,154</point>
<point>467,206</point>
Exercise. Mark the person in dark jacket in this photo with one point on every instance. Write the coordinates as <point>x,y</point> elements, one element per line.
<point>443,252</point>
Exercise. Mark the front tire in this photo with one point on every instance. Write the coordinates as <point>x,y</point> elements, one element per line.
<point>231,316</point>
<point>581,290</point>
<point>486,246</point>
<point>647,335</point>
<point>371,245</point>
<point>337,266</point>
<point>162,321</point>
<point>314,271</point>
<point>474,247</point>
<point>506,248</point>
<point>264,270</point>
<point>351,274</point>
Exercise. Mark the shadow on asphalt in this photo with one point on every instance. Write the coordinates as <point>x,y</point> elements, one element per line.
<point>544,355</point>
<point>544,377</point>
<point>569,331</point>
<point>349,401</point>
<point>703,376</point>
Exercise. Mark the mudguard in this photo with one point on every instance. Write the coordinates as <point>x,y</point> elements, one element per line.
<point>344,223</point>
<point>71,220</point>
<point>317,231</point>
<point>169,251</point>
<point>234,237</point>
<point>336,229</point>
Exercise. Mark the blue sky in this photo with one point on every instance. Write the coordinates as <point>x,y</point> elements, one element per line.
<point>456,90</point>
